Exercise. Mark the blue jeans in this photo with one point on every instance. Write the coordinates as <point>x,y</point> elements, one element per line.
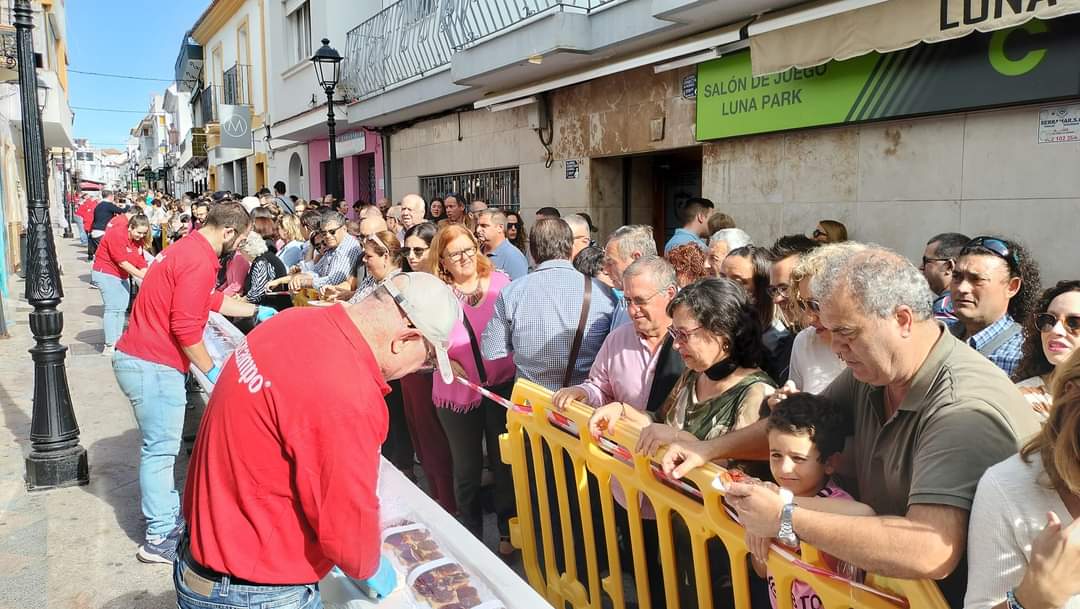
<point>115,295</point>
<point>80,229</point>
<point>196,592</point>
<point>158,398</point>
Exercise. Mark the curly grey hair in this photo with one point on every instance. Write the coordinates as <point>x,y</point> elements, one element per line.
<point>634,238</point>
<point>878,279</point>
<point>253,246</point>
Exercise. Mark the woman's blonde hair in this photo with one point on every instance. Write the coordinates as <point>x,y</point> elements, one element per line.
<point>290,228</point>
<point>1058,443</point>
<point>443,238</point>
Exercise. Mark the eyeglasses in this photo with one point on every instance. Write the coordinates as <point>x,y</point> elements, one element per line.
<point>403,305</point>
<point>997,247</point>
<point>775,291</point>
<point>808,304</point>
<point>640,302</point>
<point>461,255</point>
<point>329,231</point>
<point>1046,322</point>
<point>415,252</point>
<point>926,261</point>
<point>682,335</point>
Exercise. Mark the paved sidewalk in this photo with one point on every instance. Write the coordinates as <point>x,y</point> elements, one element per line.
<point>74,548</point>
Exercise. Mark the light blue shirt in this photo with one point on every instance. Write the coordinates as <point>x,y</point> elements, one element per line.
<point>509,259</point>
<point>682,237</point>
<point>536,318</point>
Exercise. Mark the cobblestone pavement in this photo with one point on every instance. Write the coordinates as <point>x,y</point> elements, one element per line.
<point>74,548</point>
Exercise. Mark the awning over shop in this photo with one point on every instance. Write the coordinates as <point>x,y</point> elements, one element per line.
<point>88,185</point>
<point>888,26</point>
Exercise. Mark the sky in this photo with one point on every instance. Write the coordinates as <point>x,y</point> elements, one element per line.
<point>130,37</point>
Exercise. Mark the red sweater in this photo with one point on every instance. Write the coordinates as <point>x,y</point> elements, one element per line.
<point>116,246</point>
<point>282,483</point>
<point>174,301</point>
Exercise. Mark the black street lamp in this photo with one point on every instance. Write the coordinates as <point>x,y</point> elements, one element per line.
<point>67,204</point>
<point>327,62</point>
<point>56,459</point>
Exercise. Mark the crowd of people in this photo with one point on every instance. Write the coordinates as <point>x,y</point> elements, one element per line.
<point>910,420</point>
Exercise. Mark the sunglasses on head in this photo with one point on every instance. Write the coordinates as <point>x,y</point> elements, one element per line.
<point>1046,322</point>
<point>820,233</point>
<point>809,304</point>
<point>996,246</point>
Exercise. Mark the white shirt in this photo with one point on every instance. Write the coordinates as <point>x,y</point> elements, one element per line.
<point>1008,514</point>
<point>813,364</point>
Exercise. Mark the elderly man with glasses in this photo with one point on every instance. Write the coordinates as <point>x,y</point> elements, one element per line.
<point>340,252</point>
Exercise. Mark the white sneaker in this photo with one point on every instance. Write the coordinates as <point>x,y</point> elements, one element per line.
<point>93,286</point>
<point>108,350</point>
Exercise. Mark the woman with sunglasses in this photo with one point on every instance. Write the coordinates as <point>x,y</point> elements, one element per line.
<point>716,330</point>
<point>813,363</point>
<point>1051,335</point>
<point>469,419</point>
<point>515,231</point>
<point>1024,546</point>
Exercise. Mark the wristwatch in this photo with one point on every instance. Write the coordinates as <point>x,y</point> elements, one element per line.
<point>787,530</point>
<point>1011,602</point>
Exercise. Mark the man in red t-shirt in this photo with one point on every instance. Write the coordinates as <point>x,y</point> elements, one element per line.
<point>85,212</point>
<point>282,483</point>
<point>165,337</point>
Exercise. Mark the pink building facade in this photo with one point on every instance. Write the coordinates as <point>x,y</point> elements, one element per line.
<point>361,157</point>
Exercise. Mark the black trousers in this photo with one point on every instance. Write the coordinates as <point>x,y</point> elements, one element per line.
<point>467,433</point>
<point>398,446</point>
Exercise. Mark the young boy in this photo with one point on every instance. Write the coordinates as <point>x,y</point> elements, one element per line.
<point>806,435</point>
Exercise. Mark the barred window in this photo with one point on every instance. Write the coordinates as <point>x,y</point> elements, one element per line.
<point>499,188</point>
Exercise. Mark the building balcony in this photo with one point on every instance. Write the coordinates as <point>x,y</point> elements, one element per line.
<point>193,148</point>
<point>204,106</point>
<point>56,115</point>
<point>189,64</point>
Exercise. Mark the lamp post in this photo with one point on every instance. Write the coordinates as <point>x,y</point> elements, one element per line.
<point>327,62</point>
<point>56,459</point>
<point>67,203</point>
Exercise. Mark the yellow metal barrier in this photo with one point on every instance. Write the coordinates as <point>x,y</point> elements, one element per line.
<point>535,426</point>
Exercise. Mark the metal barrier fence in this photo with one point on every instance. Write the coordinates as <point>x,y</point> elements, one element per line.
<point>566,539</point>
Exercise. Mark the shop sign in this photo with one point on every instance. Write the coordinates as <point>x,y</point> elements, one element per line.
<point>573,169</point>
<point>1033,62</point>
<point>350,143</point>
<point>1060,124</point>
<point>235,126</point>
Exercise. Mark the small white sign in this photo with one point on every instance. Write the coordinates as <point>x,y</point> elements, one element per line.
<point>1059,124</point>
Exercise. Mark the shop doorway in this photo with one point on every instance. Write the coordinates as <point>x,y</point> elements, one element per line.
<point>651,187</point>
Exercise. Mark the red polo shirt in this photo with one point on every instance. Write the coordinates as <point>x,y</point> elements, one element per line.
<point>117,246</point>
<point>86,212</point>
<point>117,220</point>
<point>174,301</point>
<point>282,483</point>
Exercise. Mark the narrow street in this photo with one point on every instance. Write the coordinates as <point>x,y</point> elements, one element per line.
<point>77,545</point>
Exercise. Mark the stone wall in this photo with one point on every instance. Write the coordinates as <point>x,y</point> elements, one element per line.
<point>900,182</point>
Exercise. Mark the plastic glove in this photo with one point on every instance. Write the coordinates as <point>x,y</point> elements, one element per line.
<point>382,583</point>
<point>264,313</point>
<point>213,374</point>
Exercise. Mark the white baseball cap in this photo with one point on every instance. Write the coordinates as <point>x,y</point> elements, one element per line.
<point>432,307</point>
<point>250,203</point>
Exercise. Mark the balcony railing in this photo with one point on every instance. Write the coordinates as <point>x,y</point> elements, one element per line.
<point>411,38</point>
<point>236,89</point>
<point>207,106</point>
<point>399,42</point>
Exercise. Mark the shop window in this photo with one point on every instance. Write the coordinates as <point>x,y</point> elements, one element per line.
<point>499,188</point>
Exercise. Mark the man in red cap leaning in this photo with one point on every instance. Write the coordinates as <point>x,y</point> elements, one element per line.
<point>282,483</point>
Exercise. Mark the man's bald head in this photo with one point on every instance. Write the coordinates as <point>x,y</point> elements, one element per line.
<point>371,225</point>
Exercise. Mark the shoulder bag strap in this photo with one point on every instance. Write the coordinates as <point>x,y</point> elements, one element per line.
<point>475,349</point>
<point>580,334</point>
<point>1003,337</point>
